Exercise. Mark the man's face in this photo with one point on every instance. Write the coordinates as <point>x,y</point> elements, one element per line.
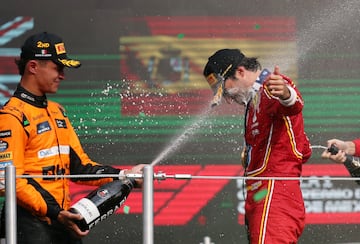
<point>49,76</point>
<point>238,88</point>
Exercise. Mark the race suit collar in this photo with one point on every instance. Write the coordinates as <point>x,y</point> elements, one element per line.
<point>26,96</point>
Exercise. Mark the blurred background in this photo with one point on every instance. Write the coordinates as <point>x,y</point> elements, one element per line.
<point>139,97</point>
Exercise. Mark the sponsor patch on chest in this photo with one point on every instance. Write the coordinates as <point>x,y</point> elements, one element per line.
<point>61,123</point>
<point>43,127</point>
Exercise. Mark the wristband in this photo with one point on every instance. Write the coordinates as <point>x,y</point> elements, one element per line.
<point>291,100</point>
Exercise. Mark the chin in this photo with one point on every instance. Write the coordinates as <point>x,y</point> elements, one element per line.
<point>53,91</point>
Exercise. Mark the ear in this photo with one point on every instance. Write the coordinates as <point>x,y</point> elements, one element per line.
<point>32,66</point>
<point>241,71</point>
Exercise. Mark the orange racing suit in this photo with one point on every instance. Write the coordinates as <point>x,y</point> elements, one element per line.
<point>38,139</point>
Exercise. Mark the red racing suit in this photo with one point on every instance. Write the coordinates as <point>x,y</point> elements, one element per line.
<point>276,146</point>
<point>38,139</point>
<point>357,147</point>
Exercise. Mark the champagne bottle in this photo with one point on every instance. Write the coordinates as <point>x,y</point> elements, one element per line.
<point>351,163</point>
<point>102,202</point>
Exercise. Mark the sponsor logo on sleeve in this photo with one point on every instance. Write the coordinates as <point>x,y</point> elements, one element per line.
<point>3,145</point>
<point>5,133</point>
<point>6,156</point>
<point>4,164</point>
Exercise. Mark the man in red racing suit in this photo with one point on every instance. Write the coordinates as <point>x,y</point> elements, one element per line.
<point>276,146</point>
<point>38,139</point>
<point>275,143</point>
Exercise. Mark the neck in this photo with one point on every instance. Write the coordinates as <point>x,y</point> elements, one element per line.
<point>27,96</point>
<point>28,84</point>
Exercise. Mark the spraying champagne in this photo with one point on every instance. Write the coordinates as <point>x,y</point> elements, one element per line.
<point>351,164</point>
<point>102,202</point>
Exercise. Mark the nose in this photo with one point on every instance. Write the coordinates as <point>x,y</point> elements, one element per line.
<point>61,72</point>
<point>62,75</point>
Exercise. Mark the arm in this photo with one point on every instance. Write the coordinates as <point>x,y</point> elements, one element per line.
<point>345,147</point>
<point>356,143</point>
<point>288,98</point>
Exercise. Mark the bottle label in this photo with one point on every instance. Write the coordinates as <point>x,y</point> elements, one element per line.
<point>87,209</point>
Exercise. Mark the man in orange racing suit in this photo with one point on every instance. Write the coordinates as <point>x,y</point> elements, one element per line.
<point>37,137</point>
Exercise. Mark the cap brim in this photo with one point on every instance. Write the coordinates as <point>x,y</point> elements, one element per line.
<point>70,63</point>
<point>216,82</point>
<point>218,94</point>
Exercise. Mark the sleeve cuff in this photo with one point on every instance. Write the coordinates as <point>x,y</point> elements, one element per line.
<point>291,100</point>
<point>53,213</point>
<point>357,147</point>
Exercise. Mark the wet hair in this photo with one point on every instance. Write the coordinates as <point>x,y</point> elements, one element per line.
<point>251,64</point>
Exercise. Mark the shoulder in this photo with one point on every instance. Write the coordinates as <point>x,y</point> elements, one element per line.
<point>14,107</point>
<point>53,104</point>
<point>57,106</point>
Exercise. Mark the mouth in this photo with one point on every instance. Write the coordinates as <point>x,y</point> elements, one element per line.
<point>240,96</point>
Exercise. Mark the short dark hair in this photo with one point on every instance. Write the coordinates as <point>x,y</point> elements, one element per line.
<point>224,62</point>
<point>21,64</point>
<point>251,64</point>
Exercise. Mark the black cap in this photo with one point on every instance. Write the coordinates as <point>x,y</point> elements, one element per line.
<point>219,67</point>
<point>46,46</point>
